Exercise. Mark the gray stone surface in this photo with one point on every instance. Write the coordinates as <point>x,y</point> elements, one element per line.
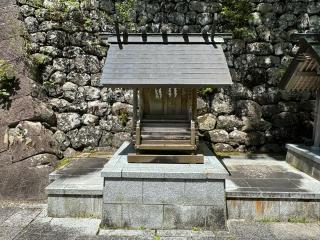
<point>211,169</point>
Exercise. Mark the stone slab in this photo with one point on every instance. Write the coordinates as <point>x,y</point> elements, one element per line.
<point>211,169</point>
<point>83,206</point>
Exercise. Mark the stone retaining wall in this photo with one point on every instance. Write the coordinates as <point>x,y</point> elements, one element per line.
<point>254,114</point>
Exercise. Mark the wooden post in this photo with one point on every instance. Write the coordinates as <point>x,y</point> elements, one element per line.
<point>316,129</point>
<point>194,105</point>
<point>135,106</point>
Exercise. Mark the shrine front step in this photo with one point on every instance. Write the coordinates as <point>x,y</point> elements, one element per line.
<point>163,196</point>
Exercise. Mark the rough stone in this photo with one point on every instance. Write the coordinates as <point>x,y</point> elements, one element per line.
<point>207,122</point>
<point>68,121</point>
<point>81,79</point>
<point>98,108</point>
<point>222,104</point>
<point>238,137</point>
<point>218,136</point>
<point>28,139</point>
<point>229,123</point>
<point>122,108</point>
<point>249,109</point>
<point>119,138</point>
<point>222,147</point>
<point>62,140</point>
<point>89,119</point>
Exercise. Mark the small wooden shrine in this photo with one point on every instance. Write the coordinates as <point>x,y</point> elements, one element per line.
<point>165,70</point>
<point>303,74</point>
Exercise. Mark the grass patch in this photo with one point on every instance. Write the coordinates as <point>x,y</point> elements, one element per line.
<point>269,220</point>
<point>297,219</point>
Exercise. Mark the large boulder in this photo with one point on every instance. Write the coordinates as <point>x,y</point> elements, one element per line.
<point>28,139</point>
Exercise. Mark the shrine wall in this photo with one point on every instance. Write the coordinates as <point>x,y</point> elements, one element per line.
<point>62,41</point>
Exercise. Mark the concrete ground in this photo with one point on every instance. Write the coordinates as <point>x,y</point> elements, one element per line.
<point>30,221</point>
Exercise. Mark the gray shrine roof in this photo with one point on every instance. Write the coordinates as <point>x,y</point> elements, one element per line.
<point>303,74</point>
<point>175,62</point>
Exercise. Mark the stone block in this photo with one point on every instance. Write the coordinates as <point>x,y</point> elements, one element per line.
<point>75,206</point>
<point>308,210</point>
<point>184,217</point>
<point>204,193</point>
<point>140,215</point>
<point>163,192</point>
<point>122,191</point>
<point>112,215</point>
<point>216,217</point>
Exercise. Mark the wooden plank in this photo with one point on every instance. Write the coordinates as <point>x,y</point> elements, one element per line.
<point>172,39</point>
<point>167,147</point>
<point>178,159</point>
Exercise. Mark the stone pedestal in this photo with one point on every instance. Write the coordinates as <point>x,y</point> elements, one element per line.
<point>163,196</point>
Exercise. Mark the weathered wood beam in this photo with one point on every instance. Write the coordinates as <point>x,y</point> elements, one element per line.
<point>149,158</point>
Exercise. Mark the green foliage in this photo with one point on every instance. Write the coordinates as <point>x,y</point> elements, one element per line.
<point>156,238</point>
<point>125,11</point>
<point>8,82</point>
<point>236,15</point>
<point>123,116</point>
<point>205,91</point>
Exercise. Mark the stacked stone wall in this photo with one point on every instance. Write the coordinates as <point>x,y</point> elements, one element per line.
<point>253,114</point>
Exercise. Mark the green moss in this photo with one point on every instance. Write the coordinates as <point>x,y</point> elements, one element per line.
<point>64,162</point>
<point>40,59</point>
<point>205,91</point>
<point>297,219</point>
<point>196,229</point>
<point>236,15</point>
<point>156,238</point>
<point>269,219</point>
<point>8,83</point>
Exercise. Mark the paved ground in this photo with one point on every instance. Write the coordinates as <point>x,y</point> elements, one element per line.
<point>30,221</point>
<point>263,174</point>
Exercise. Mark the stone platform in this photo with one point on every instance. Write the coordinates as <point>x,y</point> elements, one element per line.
<point>266,187</point>
<point>76,189</point>
<point>164,196</point>
<point>260,187</point>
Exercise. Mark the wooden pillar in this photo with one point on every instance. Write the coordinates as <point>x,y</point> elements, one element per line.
<point>317,123</point>
<point>194,104</point>
<point>135,106</point>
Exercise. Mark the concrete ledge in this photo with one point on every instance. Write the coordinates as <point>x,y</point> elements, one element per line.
<point>305,159</point>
